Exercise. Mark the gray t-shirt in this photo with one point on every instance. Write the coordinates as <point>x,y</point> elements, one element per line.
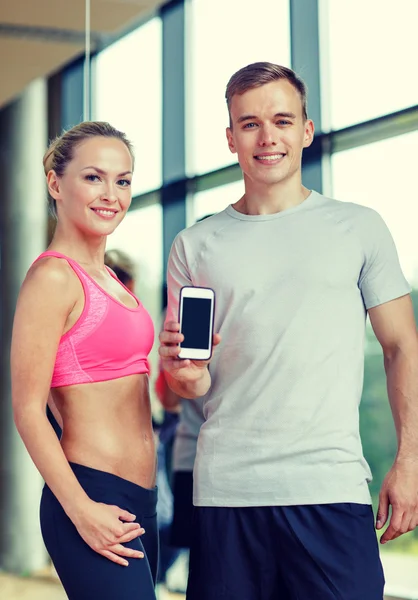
<point>185,443</point>
<point>292,290</point>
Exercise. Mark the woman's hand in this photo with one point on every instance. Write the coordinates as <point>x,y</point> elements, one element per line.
<point>106,528</point>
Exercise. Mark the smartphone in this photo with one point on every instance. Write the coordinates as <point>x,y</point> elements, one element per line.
<point>196,314</point>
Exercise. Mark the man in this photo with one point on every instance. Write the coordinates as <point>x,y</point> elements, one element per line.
<point>283,509</point>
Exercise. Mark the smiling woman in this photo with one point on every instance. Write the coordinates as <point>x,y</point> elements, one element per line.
<point>81,341</point>
<point>61,151</point>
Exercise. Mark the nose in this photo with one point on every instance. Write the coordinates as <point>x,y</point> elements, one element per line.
<point>267,136</point>
<point>109,193</point>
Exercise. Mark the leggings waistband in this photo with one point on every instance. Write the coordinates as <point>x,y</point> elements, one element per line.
<point>96,478</point>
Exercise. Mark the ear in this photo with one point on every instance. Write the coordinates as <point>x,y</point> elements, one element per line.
<point>230,138</point>
<point>309,133</point>
<point>53,185</point>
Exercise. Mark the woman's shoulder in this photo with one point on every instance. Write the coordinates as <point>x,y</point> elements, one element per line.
<point>51,277</point>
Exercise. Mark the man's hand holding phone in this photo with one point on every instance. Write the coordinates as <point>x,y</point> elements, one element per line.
<point>186,346</point>
<point>183,370</point>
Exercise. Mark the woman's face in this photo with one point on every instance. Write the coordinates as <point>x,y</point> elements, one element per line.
<point>95,191</point>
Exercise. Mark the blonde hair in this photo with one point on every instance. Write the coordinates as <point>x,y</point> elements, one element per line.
<point>258,74</point>
<point>61,150</point>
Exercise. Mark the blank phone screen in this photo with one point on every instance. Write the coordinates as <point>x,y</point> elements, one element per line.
<point>195,325</point>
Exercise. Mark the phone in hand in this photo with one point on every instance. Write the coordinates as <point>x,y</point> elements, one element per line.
<point>196,315</point>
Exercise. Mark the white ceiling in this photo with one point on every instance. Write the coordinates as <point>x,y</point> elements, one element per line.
<point>38,37</point>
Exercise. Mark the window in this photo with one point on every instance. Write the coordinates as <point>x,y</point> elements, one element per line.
<point>371,57</point>
<point>382,175</point>
<point>222,38</point>
<point>140,235</point>
<point>128,95</point>
<point>216,199</point>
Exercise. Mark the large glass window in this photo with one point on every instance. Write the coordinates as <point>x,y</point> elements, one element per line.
<point>224,36</point>
<point>128,94</point>
<point>372,54</point>
<point>215,200</point>
<point>140,236</point>
<point>382,175</point>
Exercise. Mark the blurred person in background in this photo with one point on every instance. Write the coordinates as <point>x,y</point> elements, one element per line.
<point>179,527</point>
<point>83,337</point>
<point>122,266</point>
<point>282,504</point>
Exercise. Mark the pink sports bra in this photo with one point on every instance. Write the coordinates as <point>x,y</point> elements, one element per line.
<point>109,340</point>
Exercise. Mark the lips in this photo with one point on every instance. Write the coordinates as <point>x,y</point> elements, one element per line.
<point>107,213</point>
<point>270,157</point>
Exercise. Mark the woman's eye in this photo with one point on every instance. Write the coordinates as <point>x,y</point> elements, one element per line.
<point>124,182</point>
<point>92,177</point>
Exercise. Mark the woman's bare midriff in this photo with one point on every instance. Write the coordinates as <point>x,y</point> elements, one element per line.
<point>107,426</point>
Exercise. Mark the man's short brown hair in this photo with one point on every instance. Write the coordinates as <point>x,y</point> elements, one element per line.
<point>260,73</point>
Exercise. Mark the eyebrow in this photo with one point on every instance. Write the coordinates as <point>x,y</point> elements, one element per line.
<point>104,172</point>
<point>288,115</point>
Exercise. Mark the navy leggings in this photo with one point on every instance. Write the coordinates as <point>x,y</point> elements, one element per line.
<point>85,574</point>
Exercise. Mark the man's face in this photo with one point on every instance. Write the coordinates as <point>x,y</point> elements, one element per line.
<point>268,132</point>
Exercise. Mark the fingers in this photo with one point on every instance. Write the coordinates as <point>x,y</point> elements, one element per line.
<point>383,509</point>
<point>216,339</point>
<point>124,514</point>
<point>171,333</point>
<point>114,558</point>
<point>167,352</point>
<point>171,326</point>
<point>395,526</point>
<point>130,535</point>
<point>125,552</point>
<point>128,528</point>
<point>175,364</point>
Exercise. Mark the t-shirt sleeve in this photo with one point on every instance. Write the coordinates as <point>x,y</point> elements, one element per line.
<point>381,277</point>
<point>178,276</point>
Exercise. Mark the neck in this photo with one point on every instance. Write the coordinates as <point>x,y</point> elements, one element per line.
<point>261,199</point>
<point>86,251</point>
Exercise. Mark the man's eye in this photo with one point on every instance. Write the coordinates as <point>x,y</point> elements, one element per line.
<point>284,122</point>
<point>250,125</point>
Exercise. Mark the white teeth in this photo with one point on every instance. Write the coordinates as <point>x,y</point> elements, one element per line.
<point>271,157</point>
<point>106,213</point>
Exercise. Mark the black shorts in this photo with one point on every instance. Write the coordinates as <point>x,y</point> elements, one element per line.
<point>317,552</point>
<point>181,528</point>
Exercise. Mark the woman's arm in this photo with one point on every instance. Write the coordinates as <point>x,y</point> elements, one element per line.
<point>46,301</point>
<point>47,298</point>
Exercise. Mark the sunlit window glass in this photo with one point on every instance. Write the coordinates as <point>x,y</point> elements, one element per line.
<point>223,36</point>
<point>372,54</point>
<point>382,176</point>
<point>128,94</point>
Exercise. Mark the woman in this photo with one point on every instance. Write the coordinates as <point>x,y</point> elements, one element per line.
<point>83,337</point>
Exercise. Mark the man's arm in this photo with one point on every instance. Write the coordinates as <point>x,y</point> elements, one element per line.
<point>394,325</point>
